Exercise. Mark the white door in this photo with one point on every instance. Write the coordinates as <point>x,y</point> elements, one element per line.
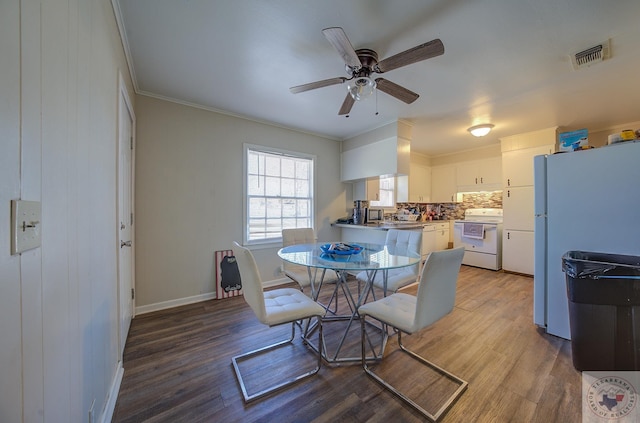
<point>125,215</point>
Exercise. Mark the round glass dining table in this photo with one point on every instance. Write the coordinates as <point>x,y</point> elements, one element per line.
<point>358,257</point>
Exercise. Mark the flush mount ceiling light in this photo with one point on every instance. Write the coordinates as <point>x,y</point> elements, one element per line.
<point>480,130</point>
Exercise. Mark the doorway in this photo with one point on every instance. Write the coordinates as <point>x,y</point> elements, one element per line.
<point>126,246</point>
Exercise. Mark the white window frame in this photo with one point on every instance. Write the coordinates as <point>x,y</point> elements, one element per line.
<point>271,241</point>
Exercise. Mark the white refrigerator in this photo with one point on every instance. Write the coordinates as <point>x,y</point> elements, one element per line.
<point>585,200</point>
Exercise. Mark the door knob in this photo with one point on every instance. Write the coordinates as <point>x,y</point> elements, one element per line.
<point>125,244</point>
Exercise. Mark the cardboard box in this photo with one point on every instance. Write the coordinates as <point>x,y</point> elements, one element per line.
<point>574,140</point>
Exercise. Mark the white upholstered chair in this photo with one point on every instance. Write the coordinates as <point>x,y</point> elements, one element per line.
<point>409,314</point>
<point>401,241</point>
<point>275,307</point>
<point>297,273</point>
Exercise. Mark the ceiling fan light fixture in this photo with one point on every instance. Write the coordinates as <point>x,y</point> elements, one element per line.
<point>361,87</point>
<point>481,130</point>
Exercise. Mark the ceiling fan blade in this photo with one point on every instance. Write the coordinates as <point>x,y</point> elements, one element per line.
<point>395,90</point>
<point>317,84</point>
<point>347,104</point>
<point>422,52</point>
<point>340,42</point>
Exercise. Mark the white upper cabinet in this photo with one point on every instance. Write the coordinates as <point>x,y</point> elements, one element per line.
<point>479,175</point>
<point>387,157</point>
<point>368,190</point>
<point>517,165</point>
<point>419,183</point>
<point>443,184</point>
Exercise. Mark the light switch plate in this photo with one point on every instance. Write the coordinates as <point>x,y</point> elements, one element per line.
<point>26,225</point>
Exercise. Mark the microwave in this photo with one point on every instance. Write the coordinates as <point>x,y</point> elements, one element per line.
<point>375,214</point>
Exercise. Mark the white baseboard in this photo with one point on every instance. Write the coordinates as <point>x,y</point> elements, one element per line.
<point>197,298</point>
<point>110,406</point>
<point>174,303</point>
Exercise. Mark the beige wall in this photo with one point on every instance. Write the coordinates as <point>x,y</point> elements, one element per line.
<point>189,197</point>
<point>58,126</point>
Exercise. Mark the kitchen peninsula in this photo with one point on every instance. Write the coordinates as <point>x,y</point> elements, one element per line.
<point>432,233</point>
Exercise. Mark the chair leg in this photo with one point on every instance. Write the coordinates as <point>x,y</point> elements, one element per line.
<point>235,360</point>
<point>445,407</point>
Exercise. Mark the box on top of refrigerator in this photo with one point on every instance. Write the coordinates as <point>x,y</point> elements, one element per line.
<point>574,140</point>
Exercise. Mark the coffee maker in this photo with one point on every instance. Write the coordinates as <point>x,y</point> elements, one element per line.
<point>359,212</point>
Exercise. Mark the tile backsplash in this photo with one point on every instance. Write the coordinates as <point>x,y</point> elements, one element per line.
<point>455,211</point>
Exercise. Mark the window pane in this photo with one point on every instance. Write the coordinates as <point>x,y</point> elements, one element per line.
<point>272,166</point>
<point>289,208</point>
<point>257,207</point>
<point>274,207</point>
<point>302,170</point>
<point>386,183</point>
<point>302,188</point>
<point>272,186</point>
<point>289,223</point>
<point>288,168</point>
<point>252,163</point>
<point>303,207</point>
<point>255,185</point>
<point>387,193</point>
<point>257,228</point>
<point>288,187</point>
<point>279,194</point>
<point>274,227</point>
<point>304,223</point>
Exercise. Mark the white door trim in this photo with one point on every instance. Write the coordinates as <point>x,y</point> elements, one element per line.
<point>123,297</point>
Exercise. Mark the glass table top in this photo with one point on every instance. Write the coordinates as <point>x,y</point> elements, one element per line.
<point>368,257</point>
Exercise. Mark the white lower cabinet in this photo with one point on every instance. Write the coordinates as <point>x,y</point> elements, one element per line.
<point>428,240</point>
<point>517,251</point>
<point>442,235</point>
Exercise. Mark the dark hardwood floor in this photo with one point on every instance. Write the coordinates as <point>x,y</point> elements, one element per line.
<point>178,365</point>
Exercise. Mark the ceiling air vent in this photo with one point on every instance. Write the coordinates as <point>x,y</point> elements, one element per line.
<point>591,56</point>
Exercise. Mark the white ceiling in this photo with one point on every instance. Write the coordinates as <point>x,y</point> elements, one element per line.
<point>506,62</point>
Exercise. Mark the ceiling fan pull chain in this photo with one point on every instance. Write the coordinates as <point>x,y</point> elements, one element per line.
<point>376,102</point>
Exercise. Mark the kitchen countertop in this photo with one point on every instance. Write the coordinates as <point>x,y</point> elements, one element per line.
<point>390,225</point>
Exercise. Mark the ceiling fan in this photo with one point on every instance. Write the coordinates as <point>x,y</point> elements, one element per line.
<point>361,63</point>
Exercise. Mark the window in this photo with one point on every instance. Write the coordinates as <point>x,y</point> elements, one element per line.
<point>387,193</point>
<point>278,192</point>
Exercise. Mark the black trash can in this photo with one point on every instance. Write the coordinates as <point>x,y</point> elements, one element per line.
<point>604,310</point>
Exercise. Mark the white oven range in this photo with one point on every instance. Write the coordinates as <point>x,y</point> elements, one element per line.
<point>480,233</point>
